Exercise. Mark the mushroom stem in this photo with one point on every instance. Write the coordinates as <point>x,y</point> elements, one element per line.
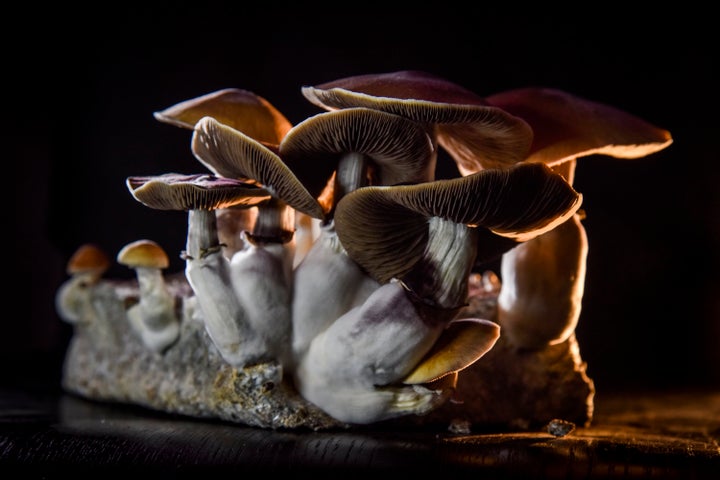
<point>542,286</point>
<point>440,278</point>
<point>262,278</point>
<point>208,272</point>
<point>327,283</point>
<point>352,173</point>
<point>353,368</point>
<point>156,301</point>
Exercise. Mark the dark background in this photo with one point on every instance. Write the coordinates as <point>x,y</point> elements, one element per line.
<point>82,122</point>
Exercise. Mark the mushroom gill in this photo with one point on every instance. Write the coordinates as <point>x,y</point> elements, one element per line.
<point>475,133</point>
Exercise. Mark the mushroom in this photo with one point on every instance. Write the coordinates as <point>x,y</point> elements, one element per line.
<point>420,242</point>
<point>153,317</point>
<point>207,269</point>
<point>239,109</point>
<point>246,112</point>
<point>349,149</point>
<point>473,132</point>
<point>262,271</point>
<point>543,279</point>
<point>73,300</point>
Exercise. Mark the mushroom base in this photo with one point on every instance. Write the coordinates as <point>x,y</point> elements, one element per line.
<point>107,361</point>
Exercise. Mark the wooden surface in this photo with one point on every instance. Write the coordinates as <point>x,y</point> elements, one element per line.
<point>48,434</point>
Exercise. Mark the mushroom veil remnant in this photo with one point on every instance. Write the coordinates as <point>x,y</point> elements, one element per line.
<point>332,272</point>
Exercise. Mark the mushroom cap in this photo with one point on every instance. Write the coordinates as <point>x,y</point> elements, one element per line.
<point>400,149</point>
<point>567,126</point>
<point>175,191</point>
<point>240,109</point>
<point>143,253</point>
<point>88,258</point>
<point>385,229</point>
<point>475,133</point>
<point>230,153</point>
<point>461,344</point>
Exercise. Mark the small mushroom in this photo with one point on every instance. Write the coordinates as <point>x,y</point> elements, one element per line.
<point>420,242</point>
<point>474,133</point>
<point>351,148</point>
<point>543,279</point>
<point>207,269</point>
<point>86,267</point>
<point>153,317</point>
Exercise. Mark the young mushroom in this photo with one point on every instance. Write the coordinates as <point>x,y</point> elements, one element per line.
<point>473,132</point>
<point>336,153</point>
<point>543,279</point>
<point>420,242</point>
<point>262,271</point>
<point>207,269</point>
<point>73,300</point>
<point>154,317</point>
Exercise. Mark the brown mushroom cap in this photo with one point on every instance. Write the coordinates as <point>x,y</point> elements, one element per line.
<point>240,109</point>
<point>385,229</point>
<point>174,191</point>
<point>475,133</point>
<point>567,127</point>
<point>88,258</point>
<point>143,253</point>
<point>230,153</point>
<point>399,148</point>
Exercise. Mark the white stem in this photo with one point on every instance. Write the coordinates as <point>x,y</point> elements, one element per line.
<point>441,277</point>
<point>208,272</point>
<point>543,283</point>
<point>73,301</point>
<point>327,283</point>
<point>261,277</point>
<point>349,368</point>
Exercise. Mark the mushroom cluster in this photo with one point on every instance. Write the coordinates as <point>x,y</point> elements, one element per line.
<point>331,247</point>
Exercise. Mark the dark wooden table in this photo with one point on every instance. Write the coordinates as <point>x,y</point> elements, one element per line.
<point>45,433</point>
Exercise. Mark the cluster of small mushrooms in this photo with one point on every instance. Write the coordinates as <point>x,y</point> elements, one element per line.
<point>331,247</point>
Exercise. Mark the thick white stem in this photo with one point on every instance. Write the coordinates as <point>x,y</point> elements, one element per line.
<point>261,277</point>
<point>441,277</point>
<point>543,282</point>
<point>351,368</point>
<point>327,284</point>
<point>208,272</point>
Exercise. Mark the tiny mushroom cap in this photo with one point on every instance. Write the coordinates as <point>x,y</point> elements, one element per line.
<point>143,253</point>
<point>230,153</point>
<point>399,149</point>
<point>174,191</point>
<point>461,344</point>
<point>474,133</point>
<point>240,109</point>
<point>567,127</point>
<point>88,259</point>
<point>385,229</point>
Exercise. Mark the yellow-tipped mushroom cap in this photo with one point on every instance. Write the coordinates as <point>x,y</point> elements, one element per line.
<point>240,109</point>
<point>567,127</point>
<point>143,253</point>
<point>90,259</point>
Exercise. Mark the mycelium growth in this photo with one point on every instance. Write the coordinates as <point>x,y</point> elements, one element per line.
<point>331,280</point>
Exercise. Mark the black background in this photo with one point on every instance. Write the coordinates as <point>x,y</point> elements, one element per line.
<point>89,83</point>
